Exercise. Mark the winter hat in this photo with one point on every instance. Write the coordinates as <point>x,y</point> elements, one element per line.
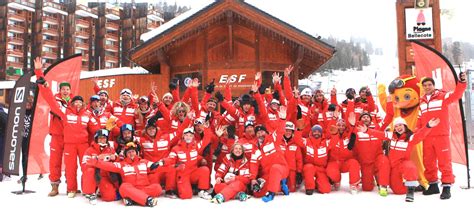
<point>103,92</point>
<point>245,99</point>
<point>317,128</point>
<point>62,84</point>
<point>188,130</point>
<point>399,120</point>
<point>261,128</point>
<point>249,123</point>
<point>94,98</point>
<point>143,99</point>
<point>365,113</point>
<point>290,126</point>
<point>77,97</point>
<point>126,91</point>
<point>274,101</point>
<point>307,92</point>
<point>167,94</point>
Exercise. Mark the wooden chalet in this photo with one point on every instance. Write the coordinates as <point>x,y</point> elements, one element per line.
<point>229,39</point>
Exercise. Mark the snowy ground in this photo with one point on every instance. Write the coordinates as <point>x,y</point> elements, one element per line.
<point>340,206</point>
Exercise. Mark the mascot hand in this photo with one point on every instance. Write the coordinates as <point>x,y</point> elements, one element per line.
<point>381,88</point>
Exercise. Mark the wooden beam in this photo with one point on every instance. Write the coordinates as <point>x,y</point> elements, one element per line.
<point>299,55</point>
<point>230,22</point>
<point>257,50</point>
<point>244,41</point>
<point>162,58</point>
<point>217,43</point>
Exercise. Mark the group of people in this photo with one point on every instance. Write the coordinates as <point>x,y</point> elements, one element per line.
<point>261,144</point>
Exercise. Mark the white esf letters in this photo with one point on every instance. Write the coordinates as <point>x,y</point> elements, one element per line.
<point>107,83</point>
<point>233,78</point>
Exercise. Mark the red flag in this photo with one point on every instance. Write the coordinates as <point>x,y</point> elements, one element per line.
<point>66,70</point>
<point>431,63</point>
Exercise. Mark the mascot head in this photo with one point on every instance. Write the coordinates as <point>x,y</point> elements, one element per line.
<point>405,91</point>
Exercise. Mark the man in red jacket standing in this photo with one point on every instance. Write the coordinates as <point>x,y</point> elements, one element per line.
<point>56,129</point>
<point>436,150</point>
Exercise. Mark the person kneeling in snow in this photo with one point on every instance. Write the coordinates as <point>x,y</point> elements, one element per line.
<point>135,188</point>
<point>232,177</point>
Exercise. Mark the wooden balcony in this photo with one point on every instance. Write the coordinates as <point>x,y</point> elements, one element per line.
<point>111,26</point>
<point>50,20</point>
<point>112,59</point>
<point>111,36</point>
<point>50,43</point>
<point>15,41</point>
<point>21,4</point>
<point>82,34</point>
<point>18,65</point>
<point>50,31</point>
<point>151,26</point>
<point>16,17</point>
<point>49,55</point>
<point>16,28</point>
<point>111,47</point>
<point>82,23</point>
<point>54,7</point>
<point>14,53</point>
<point>82,46</point>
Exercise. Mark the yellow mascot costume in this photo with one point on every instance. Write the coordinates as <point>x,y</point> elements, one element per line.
<point>405,92</point>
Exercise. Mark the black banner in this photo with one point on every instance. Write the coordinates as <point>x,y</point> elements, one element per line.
<point>15,126</point>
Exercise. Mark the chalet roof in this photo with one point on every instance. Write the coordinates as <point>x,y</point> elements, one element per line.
<point>165,34</point>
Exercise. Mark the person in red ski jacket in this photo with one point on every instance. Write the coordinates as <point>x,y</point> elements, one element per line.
<point>124,108</point>
<point>248,140</point>
<point>341,158</point>
<point>232,176</point>
<point>143,113</point>
<point>190,167</point>
<point>403,172</point>
<point>293,156</point>
<point>105,119</point>
<point>436,146</point>
<point>135,188</point>
<point>315,162</point>
<point>56,129</point>
<point>94,178</point>
<point>78,124</point>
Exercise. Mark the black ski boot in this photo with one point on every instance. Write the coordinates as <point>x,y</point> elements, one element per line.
<point>410,194</point>
<point>432,189</point>
<point>446,194</point>
<point>309,192</point>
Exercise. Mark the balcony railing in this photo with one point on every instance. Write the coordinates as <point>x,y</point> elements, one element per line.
<point>111,36</point>
<point>111,58</point>
<point>55,5</point>
<point>87,9</point>
<point>49,55</point>
<point>15,52</point>
<point>82,34</point>
<point>14,64</point>
<point>15,40</point>
<point>111,11</point>
<point>152,25</point>
<point>16,28</point>
<point>82,23</point>
<point>50,31</point>
<point>112,26</point>
<point>23,2</point>
<point>16,16</point>
<point>83,46</point>
<point>111,47</point>
<point>50,43</point>
<point>50,20</point>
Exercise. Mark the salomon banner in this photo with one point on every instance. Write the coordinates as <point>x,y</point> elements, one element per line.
<point>66,70</point>
<point>431,63</point>
<point>15,126</point>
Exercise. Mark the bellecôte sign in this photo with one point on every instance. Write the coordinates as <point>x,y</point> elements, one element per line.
<point>419,23</point>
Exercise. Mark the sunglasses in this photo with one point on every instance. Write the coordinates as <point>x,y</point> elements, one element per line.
<point>181,111</point>
<point>398,83</point>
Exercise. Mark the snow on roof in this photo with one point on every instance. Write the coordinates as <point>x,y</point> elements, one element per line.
<point>177,20</point>
<point>113,71</point>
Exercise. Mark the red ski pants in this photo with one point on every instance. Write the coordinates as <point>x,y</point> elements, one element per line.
<point>315,176</point>
<point>166,175</point>
<point>404,171</point>
<point>199,176</point>
<point>272,179</point>
<point>379,170</point>
<point>335,168</point>
<point>437,150</point>
<point>89,184</point>
<point>139,194</point>
<point>73,152</point>
<point>230,189</point>
<point>56,158</point>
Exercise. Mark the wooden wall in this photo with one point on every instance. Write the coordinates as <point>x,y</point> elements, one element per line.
<point>140,84</point>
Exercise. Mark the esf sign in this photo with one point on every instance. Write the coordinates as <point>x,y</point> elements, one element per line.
<point>232,78</point>
<point>107,83</point>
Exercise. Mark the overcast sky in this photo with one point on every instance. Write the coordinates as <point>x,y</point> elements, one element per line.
<point>372,19</point>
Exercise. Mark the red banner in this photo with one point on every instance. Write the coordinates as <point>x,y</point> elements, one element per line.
<point>431,63</point>
<point>66,70</point>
